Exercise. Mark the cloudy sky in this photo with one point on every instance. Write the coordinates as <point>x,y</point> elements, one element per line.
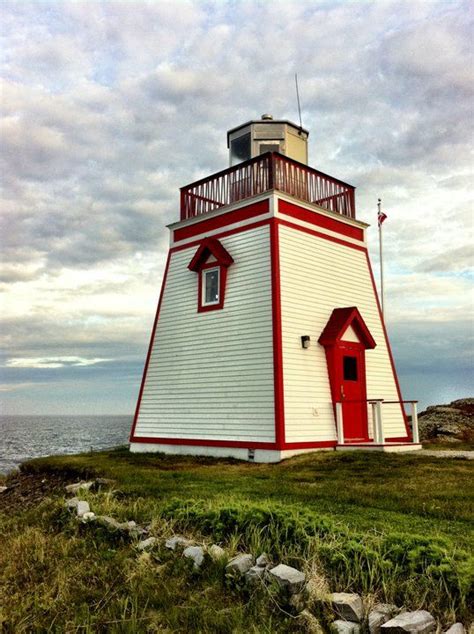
<point>109,107</point>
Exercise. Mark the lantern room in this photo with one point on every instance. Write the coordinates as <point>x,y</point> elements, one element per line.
<point>253,138</point>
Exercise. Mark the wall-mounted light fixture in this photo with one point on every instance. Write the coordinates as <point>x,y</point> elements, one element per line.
<point>305,341</point>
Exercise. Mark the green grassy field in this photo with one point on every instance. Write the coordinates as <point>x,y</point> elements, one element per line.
<point>393,527</point>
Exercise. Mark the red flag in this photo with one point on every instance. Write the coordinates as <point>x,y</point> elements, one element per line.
<point>381,217</point>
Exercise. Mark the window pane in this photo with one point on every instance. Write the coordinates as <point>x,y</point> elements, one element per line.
<point>266,147</point>
<point>350,368</point>
<point>211,287</point>
<point>240,149</point>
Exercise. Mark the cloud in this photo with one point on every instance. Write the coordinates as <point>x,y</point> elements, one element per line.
<point>43,363</point>
<point>459,259</point>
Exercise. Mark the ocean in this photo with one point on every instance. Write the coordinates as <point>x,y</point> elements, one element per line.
<point>24,437</point>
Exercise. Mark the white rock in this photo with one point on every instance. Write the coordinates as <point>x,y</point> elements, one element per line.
<point>419,621</point>
<point>82,508</point>
<point>347,605</point>
<point>146,544</point>
<point>380,614</point>
<point>109,522</point>
<point>263,561</point>
<point>196,553</point>
<point>240,564</point>
<point>345,627</point>
<point>254,575</point>
<point>457,628</point>
<point>77,486</point>
<point>288,578</point>
<point>216,552</point>
<point>376,619</point>
<point>177,542</point>
<point>88,517</point>
<point>3,489</point>
<point>72,503</point>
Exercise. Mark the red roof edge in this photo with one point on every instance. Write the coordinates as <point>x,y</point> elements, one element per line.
<point>210,246</point>
<point>340,320</point>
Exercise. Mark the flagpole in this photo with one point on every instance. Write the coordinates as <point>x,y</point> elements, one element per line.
<point>382,299</point>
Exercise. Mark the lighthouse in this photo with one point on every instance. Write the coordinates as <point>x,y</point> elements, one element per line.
<point>268,339</point>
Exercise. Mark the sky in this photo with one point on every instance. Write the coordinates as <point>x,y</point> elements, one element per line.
<point>109,107</point>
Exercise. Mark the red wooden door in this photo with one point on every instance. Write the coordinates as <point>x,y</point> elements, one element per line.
<point>353,392</point>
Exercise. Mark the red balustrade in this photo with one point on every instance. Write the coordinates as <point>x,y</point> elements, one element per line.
<point>264,173</point>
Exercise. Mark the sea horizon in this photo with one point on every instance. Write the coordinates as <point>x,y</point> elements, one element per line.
<point>27,436</point>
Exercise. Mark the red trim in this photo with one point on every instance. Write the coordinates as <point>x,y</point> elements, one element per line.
<point>210,246</point>
<point>277,336</point>
<point>224,234</point>
<point>210,224</point>
<point>321,235</point>
<point>309,445</point>
<point>235,443</point>
<point>206,443</point>
<point>388,347</point>
<point>339,322</point>
<point>223,259</point>
<point>315,218</point>
<point>150,346</point>
<point>398,442</point>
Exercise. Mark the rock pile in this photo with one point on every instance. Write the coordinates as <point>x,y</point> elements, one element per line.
<point>449,423</point>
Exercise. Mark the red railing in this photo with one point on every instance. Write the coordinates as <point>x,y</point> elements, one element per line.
<point>264,173</point>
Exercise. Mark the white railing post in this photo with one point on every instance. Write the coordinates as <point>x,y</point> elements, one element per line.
<point>381,437</point>
<point>339,427</point>
<point>414,423</point>
<point>375,427</point>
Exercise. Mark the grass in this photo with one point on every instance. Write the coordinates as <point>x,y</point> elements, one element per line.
<point>466,445</point>
<point>395,527</point>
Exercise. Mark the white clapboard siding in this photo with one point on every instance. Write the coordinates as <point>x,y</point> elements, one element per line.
<point>317,276</point>
<point>210,375</point>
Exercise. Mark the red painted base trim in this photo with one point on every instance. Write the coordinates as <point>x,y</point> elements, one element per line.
<point>236,444</point>
<point>309,445</point>
<point>312,217</point>
<point>205,443</point>
<point>382,444</point>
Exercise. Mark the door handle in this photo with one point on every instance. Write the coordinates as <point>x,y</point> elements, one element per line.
<point>343,396</point>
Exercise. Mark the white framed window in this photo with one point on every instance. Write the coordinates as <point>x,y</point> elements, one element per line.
<point>210,286</point>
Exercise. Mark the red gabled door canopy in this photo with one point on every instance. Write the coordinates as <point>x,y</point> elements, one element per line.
<point>339,322</point>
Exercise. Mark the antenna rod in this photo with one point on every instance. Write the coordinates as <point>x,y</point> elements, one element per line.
<point>298,99</point>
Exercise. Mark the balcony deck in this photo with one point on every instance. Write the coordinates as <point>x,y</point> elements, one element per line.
<point>264,173</point>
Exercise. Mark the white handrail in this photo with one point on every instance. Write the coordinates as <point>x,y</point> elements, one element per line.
<point>339,424</point>
<point>381,436</point>
<point>414,423</point>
